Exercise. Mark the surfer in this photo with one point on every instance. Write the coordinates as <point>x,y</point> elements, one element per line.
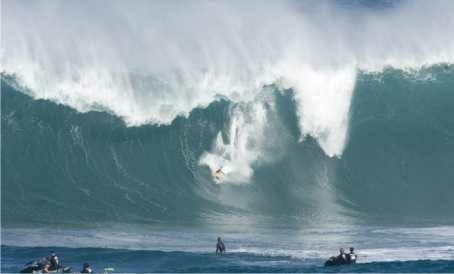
<point>218,173</point>
<point>86,268</point>
<point>220,246</point>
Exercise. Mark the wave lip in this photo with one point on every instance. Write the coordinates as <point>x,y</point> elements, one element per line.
<point>147,71</point>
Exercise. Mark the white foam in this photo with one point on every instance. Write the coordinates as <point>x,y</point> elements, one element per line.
<point>323,103</point>
<point>315,243</point>
<point>149,62</point>
<point>243,145</point>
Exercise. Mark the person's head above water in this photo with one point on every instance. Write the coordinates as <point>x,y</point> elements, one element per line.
<point>86,265</point>
<point>351,249</point>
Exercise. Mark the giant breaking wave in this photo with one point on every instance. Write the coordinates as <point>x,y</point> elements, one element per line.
<point>316,110</point>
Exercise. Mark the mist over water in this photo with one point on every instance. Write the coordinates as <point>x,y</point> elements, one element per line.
<point>150,62</point>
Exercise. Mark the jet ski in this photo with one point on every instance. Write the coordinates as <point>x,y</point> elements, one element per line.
<point>335,261</point>
<point>38,265</point>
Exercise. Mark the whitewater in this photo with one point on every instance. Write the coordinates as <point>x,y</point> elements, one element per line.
<point>331,122</point>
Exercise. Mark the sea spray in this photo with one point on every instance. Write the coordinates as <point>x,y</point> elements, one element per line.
<point>165,59</point>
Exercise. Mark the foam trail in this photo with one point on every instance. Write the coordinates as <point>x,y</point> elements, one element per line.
<point>244,144</point>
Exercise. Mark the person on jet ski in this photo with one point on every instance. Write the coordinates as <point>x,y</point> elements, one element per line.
<point>86,268</point>
<point>342,257</point>
<point>351,257</point>
<point>54,261</point>
<point>220,247</point>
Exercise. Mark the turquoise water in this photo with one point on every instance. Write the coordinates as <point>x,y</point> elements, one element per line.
<point>135,199</point>
<point>332,125</point>
<point>81,168</point>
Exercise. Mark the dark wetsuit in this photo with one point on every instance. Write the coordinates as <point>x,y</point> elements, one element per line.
<point>351,258</point>
<point>54,263</point>
<point>342,257</point>
<point>220,247</point>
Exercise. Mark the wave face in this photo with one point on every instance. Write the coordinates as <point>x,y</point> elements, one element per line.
<point>331,111</point>
<point>91,167</point>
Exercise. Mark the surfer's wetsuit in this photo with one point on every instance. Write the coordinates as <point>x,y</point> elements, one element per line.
<point>220,247</point>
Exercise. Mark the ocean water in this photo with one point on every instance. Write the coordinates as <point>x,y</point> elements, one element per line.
<point>186,249</point>
<point>332,122</point>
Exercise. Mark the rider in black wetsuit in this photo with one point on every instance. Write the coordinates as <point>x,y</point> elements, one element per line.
<point>220,247</point>
<point>54,262</point>
<point>342,256</point>
<point>351,257</point>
